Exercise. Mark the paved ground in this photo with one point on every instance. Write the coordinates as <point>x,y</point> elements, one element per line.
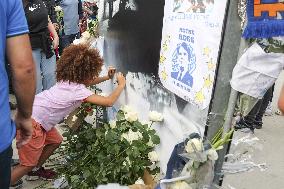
<point>272,153</point>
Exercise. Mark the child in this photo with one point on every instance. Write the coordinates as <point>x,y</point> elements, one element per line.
<point>78,67</point>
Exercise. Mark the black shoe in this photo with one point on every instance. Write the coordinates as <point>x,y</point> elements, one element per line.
<point>17,185</point>
<point>15,162</point>
<point>257,126</point>
<point>243,125</point>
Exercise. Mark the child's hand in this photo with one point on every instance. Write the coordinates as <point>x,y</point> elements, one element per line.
<point>120,79</point>
<point>111,72</point>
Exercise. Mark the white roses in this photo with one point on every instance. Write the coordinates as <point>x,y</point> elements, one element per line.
<point>130,136</point>
<point>212,154</point>
<point>153,156</point>
<point>57,8</point>
<point>181,185</point>
<point>155,116</point>
<point>194,145</point>
<point>131,116</point>
<point>112,124</point>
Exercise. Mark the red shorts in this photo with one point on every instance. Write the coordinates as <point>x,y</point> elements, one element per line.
<point>30,153</point>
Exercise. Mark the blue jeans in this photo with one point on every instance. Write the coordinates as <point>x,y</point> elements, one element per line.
<point>66,40</point>
<point>45,70</point>
<point>5,168</point>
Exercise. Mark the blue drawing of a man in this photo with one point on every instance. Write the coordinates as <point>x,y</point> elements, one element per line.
<point>183,64</point>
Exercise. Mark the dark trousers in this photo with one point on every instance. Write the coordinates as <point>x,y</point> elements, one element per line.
<point>5,168</point>
<point>66,40</point>
<point>256,114</point>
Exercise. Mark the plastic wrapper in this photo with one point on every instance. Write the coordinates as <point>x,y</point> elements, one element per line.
<point>191,166</point>
<point>240,158</point>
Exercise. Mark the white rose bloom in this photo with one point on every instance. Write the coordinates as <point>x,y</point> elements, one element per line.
<point>181,185</point>
<point>86,35</point>
<point>126,109</point>
<point>131,116</point>
<point>103,94</point>
<point>153,156</point>
<point>155,116</point>
<point>197,143</point>
<point>212,154</point>
<point>140,181</point>
<point>57,8</point>
<point>144,122</point>
<point>74,118</point>
<point>124,163</point>
<point>112,124</point>
<point>130,136</point>
<point>91,119</point>
<point>150,143</point>
<point>128,160</point>
<point>76,41</point>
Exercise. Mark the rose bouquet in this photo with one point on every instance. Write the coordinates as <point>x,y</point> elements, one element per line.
<point>118,151</point>
<point>191,165</point>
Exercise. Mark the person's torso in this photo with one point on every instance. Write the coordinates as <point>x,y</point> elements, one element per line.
<point>7,129</point>
<point>37,16</point>
<point>71,16</point>
<point>51,106</point>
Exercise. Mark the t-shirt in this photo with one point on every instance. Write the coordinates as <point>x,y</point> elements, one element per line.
<point>71,16</point>
<point>37,17</point>
<point>12,23</point>
<point>52,105</point>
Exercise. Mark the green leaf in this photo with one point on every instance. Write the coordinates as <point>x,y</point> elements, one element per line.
<point>155,139</point>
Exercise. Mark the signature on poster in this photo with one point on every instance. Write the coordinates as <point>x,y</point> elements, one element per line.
<point>184,63</point>
<point>193,6</point>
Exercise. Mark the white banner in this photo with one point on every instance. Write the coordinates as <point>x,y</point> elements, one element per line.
<point>190,45</point>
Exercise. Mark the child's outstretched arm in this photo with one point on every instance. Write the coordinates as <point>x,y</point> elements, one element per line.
<point>110,74</point>
<point>281,100</point>
<point>111,99</point>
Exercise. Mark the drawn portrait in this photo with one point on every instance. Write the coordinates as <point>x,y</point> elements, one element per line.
<point>184,63</point>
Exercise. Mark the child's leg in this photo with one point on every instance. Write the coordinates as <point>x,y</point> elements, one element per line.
<point>46,153</point>
<point>52,142</point>
<point>29,154</point>
<point>19,171</point>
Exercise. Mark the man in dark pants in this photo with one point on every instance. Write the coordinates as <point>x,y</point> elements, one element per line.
<point>14,42</point>
<point>254,119</point>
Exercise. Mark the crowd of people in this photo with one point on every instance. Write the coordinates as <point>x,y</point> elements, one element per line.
<point>48,89</point>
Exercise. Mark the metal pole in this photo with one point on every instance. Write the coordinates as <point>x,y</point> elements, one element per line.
<point>224,99</point>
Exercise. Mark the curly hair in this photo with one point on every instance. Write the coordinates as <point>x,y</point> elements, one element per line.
<point>79,64</point>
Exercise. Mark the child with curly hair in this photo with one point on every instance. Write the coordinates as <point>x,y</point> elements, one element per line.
<point>78,67</point>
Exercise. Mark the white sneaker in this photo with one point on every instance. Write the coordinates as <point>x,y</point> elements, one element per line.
<point>268,111</point>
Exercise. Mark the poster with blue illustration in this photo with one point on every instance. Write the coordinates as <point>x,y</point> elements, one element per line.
<point>189,48</point>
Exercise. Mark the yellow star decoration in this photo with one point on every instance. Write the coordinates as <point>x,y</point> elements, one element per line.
<point>206,51</point>
<point>164,75</point>
<point>199,97</point>
<point>208,82</point>
<point>162,59</point>
<point>211,64</point>
<point>165,46</point>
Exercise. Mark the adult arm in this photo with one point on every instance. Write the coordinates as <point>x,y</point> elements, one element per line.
<point>19,54</point>
<point>111,99</point>
<point>281,100</point>
<point>53,33</point>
